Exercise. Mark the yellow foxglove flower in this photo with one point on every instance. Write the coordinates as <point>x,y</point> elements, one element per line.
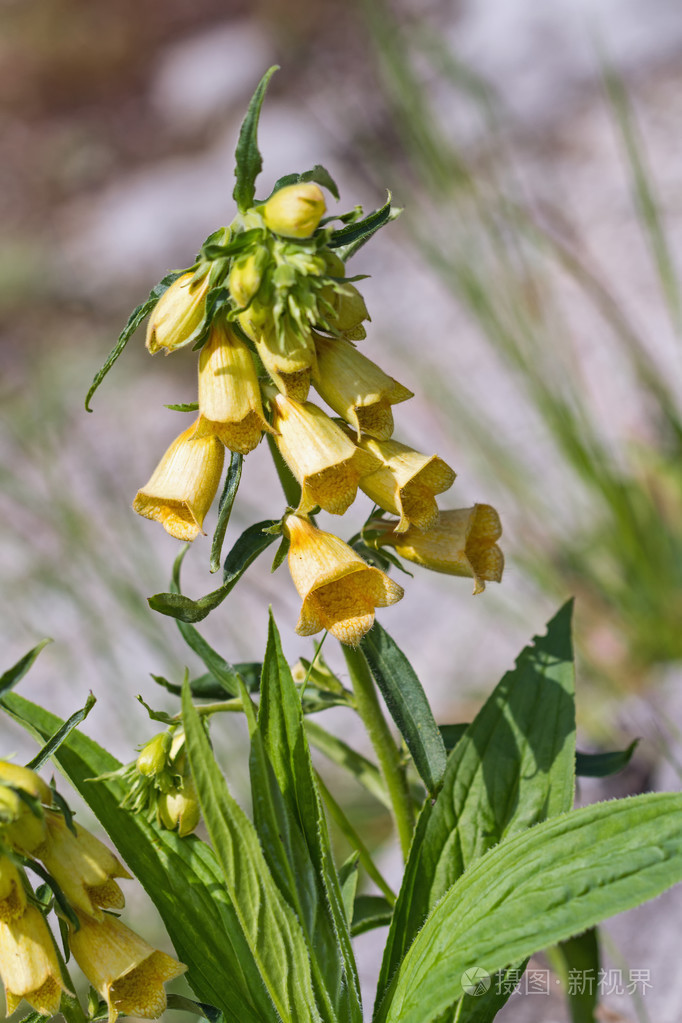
<point>322,458</point>
<point>229,394</point>
<point>349,312</point>
<point>28,964</point>
<point>287,356</point>
<point>294,211</point>
<point>183,485</point>
<point>339,590</point>
<point>24,778</point>
<point>406,483</point>
<point>21,826</point>
<point>356,388</point>
<point>177,314</point>
<point>82,867</point>
<point>128,973</point>
<point>463,542</point>
<point>12,894</point>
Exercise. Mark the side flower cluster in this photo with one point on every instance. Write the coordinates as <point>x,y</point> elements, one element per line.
<point>278,316</point>
<point>128,973</point>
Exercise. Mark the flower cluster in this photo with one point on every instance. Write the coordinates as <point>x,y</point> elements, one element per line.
<point>128,973</point>
<point>273,312</point>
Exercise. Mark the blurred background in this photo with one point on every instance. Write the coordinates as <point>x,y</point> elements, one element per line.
<point>529,296</point>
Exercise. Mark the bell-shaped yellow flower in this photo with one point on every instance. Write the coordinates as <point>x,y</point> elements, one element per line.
<point>349,312</point>
<point>322,458</point>
<point>28,964</point>
<point>183,485</point>
<point>22,827</point>
<point>12,894</point>
<point>356,388</point>
<point>295,210</point>
<point>407,482</point>
<point>177,314</point>
<point>128,973</point>
<point>82,867</point>
<point>229,394</point>
<point>339,590</point>
<point>463,542</point>
<point>288,355</point>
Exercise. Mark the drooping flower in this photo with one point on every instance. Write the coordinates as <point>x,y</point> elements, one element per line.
<point>177,314</point>
<point>229,395</point>
<point>28,963</point>
<point>183,485</point>
<point>463,542</point>
<point>288,355</point>
<point>323,459</point>
<point>295,210</point>
<point>128,973</point>
<point>22,824</point>
<point>407,482</point>
<point>356,388</point>
<point>12,894</point>
<point>82,867</point>
<point>339,590</point>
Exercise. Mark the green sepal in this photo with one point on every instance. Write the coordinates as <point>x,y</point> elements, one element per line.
<point>280,553</point>
<point>13,675</point>
<point>162,716</point>
<point>600,765</point>
<point>249,159</point>
<point>184,406</point>
<point>319,174</point>
<point>136,317</point>
<point>370,911</point>
<point>352,237</point>
<point>227,498</point>
<point>58,738</point>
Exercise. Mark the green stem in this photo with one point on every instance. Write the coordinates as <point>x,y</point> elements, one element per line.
<point>388,753</point>
<point>69,1006</point>
<point>345,826</point>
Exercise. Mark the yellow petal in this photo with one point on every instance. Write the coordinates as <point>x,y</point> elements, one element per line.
<point>183,485</point>
<point>28,963</point>
<point>177,314</point>
<point>12,894</point>
<point>407,482</point>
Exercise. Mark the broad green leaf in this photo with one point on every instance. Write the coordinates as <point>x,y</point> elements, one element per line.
<point>407,703</point>
<point>232,480</point>
<point>271,931</point>
<point>512,768</point>
<point>13,675</point>
<point>535,889</point>
<point>316,892</point>
<point>370,911</point>
<point>181,876</point>
<point>136,317</point>
<point>53,744</point>
<point>600,765</point>
<point>249,160</point>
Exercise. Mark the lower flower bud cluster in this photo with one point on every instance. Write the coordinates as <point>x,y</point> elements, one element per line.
<point>297,320</point>
<point>128,973</point>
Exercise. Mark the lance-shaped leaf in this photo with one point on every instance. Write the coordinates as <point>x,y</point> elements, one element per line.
<point>292,825</point>
<point>601,765</point>
<point>347,240</point>
<point>181,875</point>
<point>249,159</point>
<point>269,927</point>
<point>232,480</point>
<point>13,675</point>
<point>407,703</point>
<point>535,889</point>
<point>512,768</point>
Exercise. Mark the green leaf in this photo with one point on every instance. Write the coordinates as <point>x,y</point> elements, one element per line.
<point>512,768</point>
<point>185,406</point>
<point>309,879</point>
<point>182,1004</point>
<point>177,605</point>
<point>270,929</point>
<point>339,752</point>
<point>321,176</point>
<point>348,881</point>
<point>370,911</point>
<point>351,238</point>
<point>249,160</point>
<point>578,959</point>
<point>61,734</point>
<point>290,485</point>
<point>225,674</point>
<point>136,318</point>
<point>15,674</point>
<point>535,889</point>
<point>181,875</point>
<point>600,765</point>
<point>207,687</point>
<point>232,480</point>
<point>407,704</point>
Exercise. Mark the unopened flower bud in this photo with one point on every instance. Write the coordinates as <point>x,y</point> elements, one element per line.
<point>245,278</point>
<point>294,211</point>
<point>22,824</point>
<point>177,314</point>
<point>180,809</point>
<point>24,778</point>
<point>153,758</point>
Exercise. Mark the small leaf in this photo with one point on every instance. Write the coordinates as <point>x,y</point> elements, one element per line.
<point>186,406</point>
<point>321,176</point>
<point>136,318</point>
<point>451,735</point>
<point>232,480</point>
<point>370,911</point>
<point>407,703</point>
<point>59,737</point>
<point>177,605</point>
<point>351,238</point>
<point>207,687</point>
<point>280,553</point>
<point>600,765</point>
<point>15,674</point>
<point>249,160</point>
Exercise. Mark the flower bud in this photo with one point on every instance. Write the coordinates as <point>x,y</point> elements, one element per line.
<point>28,964</point>
<point>24,778</point>
<point>339,590</point>
<point>349,311</point>
<point>322,458</point>
<point>294,211</point>
<point>128,973</point>
<point>22,825</point>
<point>180,808</point>
<point>183,485</point>
<point>177,314</point>
<point>463,542</point>
<point>245,278</point>
<point>406,483</point>
<point>356,388</point>
<point>12,894</point>
<point>153,758</point>
<point>82,867</point>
